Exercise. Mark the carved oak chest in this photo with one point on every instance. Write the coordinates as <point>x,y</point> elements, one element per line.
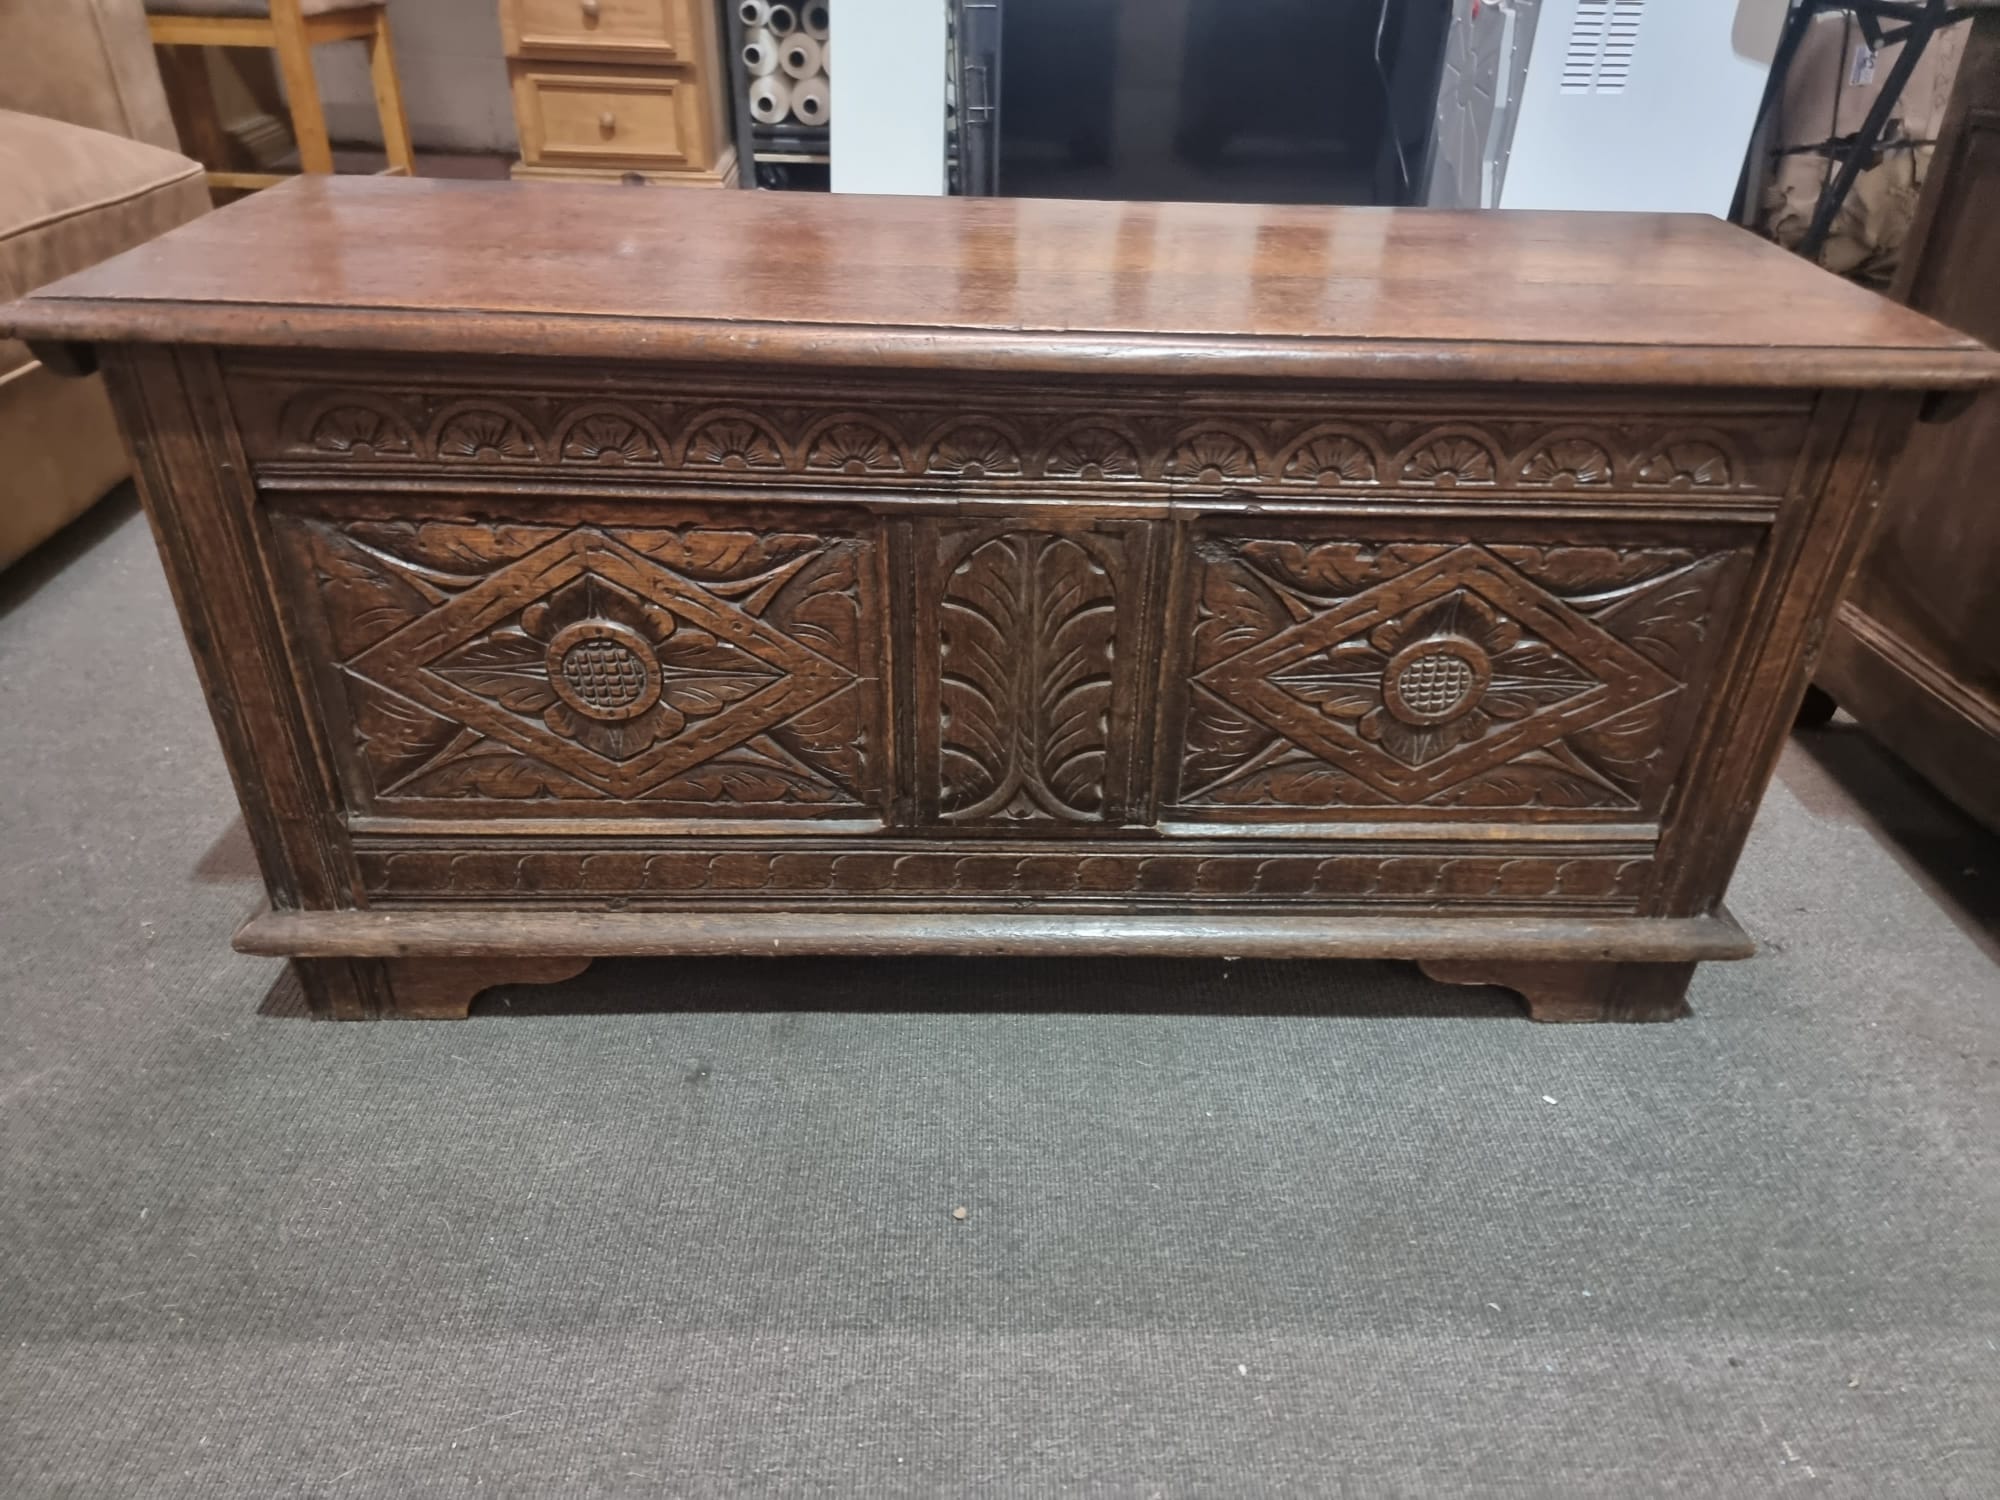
<point>581,571</point>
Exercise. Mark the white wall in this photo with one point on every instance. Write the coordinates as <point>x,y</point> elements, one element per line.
<point>888,96</point>
<point>1673,139</point>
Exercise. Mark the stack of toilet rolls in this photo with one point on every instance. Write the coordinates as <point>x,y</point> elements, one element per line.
<point>785,56</point>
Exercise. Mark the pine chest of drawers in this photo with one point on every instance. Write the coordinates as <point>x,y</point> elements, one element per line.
<point>571,576</point>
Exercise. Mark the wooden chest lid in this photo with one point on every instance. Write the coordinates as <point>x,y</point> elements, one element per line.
<point>1025,285</point>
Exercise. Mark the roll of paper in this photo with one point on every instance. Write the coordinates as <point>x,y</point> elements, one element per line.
<point>770,98</point>
<point>798,55</point>
<point>811,102</point>
<point>826,58</point>
<point>756,14</point>
<point>760,53</point>
<point>782,20</point>
<point>814,21</point>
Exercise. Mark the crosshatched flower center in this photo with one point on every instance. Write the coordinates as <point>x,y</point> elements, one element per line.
<point>604,669</point>
<point>1435,681</point>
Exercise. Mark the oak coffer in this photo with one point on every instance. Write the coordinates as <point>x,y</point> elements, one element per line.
<point>579,571</point>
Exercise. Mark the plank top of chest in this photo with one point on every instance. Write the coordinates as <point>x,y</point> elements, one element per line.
<point>1034,286</point>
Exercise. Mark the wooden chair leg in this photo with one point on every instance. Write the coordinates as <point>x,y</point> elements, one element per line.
<point>185,70</point>
<point>389,96</point>
<point>294,50</point>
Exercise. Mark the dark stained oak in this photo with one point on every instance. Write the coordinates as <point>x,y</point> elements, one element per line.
<point>569,576</point>
<point>1022,283</point>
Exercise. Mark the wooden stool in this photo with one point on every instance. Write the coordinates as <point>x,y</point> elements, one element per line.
<point>291,28</point>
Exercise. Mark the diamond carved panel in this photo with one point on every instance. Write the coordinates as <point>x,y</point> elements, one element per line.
<point>714,666</point>
<point>1441,675</point>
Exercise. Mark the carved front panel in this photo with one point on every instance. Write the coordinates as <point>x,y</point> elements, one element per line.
<point>1442,678</point>
<point>685,668</point>
<point>1029,646</point>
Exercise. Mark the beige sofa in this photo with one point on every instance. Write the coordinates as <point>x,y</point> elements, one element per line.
<point>87,168</point>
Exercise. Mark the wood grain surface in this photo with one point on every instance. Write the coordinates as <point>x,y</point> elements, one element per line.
<point>1019,283</point>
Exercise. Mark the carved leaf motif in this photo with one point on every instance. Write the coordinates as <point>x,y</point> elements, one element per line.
<point>1235,610</point>
<point>1689,464</point>
<point>1077,623</point>
<point>1449,461</point>
<point>1667,619</point>
<point>855,448</point>
<point>1540,778</point>
<point>1337,569</point>
<point>606,438</point>
<point>397,737</point>
<point>1332,460</point>
<point>1215,457</point>
<point>364,598</point>
<point>1297,781</point>
<point>1567,464</point>
<point>1092,453</point>
<point>498,773</point>
<point>361,432</point>
<point>1028,641</point>
<point>447,553</point>
<point>756,773</point>
<point>975,450</point>
<point>833,738</point>
<point>1220,743</point>
<point>981,630</point>
<point>486,435</point>
<point>733,443</point>
<point>507,666</point>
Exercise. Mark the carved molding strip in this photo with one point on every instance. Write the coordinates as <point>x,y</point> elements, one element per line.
<point>386,428</point>
<point>1616,880</point>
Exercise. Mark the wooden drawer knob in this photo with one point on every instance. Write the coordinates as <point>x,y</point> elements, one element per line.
<point>608,123</point>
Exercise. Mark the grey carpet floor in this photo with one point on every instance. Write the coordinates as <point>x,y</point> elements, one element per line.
<point>1232,1229</point>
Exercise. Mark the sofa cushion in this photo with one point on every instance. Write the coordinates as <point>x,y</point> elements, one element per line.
<point>89,62</point>
<point>244,7</point>
<point>70,197</point>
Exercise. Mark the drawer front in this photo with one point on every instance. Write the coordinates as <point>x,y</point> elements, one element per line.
<point>649,120</point>
<point>1434,672</point>
<point>650,30</point>
<point>689,667</point>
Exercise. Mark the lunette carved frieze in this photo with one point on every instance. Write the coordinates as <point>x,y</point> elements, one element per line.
<point>898,441</point>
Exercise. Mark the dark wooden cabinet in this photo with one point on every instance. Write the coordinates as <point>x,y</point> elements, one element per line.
<point>1914,652</point>
<point>1051,578</point>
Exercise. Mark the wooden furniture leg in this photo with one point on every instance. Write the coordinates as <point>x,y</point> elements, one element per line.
<point>389,98</point>
<point>1578,991</point>
<point>289,38</point>
<point>423,989</point>
<point>185,70</point>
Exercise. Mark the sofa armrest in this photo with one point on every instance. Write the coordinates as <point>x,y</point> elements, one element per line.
<point>89,62</point>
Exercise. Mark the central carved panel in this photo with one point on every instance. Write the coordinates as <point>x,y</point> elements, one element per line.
<point>544,664</point>
<point>1034,672</point>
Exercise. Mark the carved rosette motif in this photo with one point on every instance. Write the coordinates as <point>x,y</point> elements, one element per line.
<point>588,665</point>
<point>1028,654</point>
<point>1431,674</point>
<point>895,439</point>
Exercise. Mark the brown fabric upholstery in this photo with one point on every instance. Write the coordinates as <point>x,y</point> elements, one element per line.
<point>59,452</point>
<point>89,62</point>
<point>246,7</point>
<point>70,197</point>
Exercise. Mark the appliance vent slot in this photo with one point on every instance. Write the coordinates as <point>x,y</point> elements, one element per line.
<point>1602,40</point>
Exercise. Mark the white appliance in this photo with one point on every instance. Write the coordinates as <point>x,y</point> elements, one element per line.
<point>1623,104</point>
